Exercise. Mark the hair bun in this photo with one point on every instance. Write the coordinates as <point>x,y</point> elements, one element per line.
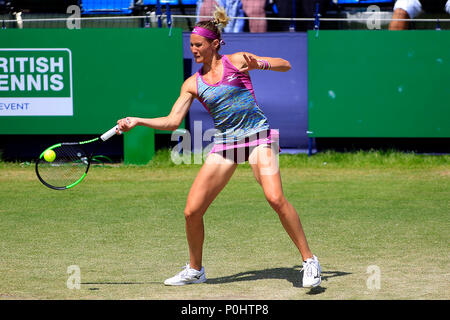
<point>221,18</point>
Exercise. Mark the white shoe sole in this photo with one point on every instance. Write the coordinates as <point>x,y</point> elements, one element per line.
<point>168,283</point>
<point>312,285</point>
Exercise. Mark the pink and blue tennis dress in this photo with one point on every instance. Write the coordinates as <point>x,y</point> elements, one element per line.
<point>240,124</point>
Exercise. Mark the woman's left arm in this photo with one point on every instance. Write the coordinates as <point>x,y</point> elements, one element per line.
<point>246,61</point>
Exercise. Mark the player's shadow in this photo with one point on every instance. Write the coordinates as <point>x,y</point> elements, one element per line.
<point>293,275</point>
<point>115,283</point>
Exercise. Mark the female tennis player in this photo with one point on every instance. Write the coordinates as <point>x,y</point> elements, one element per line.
<point>243,133</point>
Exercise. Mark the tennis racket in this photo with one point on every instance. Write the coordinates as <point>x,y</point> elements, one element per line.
<point>71,162</point>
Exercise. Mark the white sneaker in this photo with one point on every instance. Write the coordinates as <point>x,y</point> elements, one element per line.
<point>187,276</point>
<point>311,272</point>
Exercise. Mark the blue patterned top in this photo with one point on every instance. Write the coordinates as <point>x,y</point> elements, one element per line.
<point>232,105</point>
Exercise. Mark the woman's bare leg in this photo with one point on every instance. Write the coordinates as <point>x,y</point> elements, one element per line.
<point>211,179</point>
<point>264,163</point>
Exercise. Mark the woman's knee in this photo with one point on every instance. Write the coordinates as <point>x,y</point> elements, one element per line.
<point>192,213</point>
<point>277,201</point>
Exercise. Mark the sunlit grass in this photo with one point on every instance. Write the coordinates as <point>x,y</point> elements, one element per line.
<point>124,227</point>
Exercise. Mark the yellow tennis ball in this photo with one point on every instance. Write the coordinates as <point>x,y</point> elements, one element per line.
<point>49,155</point>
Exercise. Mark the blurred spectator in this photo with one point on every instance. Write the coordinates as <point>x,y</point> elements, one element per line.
<point>233,8</point>
<point>237,8</point>
<point>409,9</point>
<point>299,9</point>
<point>256,9</point>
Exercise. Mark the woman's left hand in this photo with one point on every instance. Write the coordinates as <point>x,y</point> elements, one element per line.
<point>252,63</point>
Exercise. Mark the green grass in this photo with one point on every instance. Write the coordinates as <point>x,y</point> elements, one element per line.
<point>124,227</point>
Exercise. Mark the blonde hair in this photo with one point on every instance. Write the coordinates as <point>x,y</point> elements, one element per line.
<point>219,21</point>
<point>221,18</point>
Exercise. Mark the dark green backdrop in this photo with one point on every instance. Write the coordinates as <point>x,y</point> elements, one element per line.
<point>379,83</point>
<point>116,73</point>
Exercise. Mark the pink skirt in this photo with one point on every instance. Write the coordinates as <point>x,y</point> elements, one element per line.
<point>239,151</point>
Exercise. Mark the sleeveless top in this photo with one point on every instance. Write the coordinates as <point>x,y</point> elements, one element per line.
<point>232,105</point>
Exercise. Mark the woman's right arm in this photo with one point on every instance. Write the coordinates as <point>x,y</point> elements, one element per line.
<point>175,117</point>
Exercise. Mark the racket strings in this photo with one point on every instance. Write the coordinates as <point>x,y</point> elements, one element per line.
<point>68,167</point>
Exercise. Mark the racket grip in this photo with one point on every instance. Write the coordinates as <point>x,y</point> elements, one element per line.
<point>111,132</point>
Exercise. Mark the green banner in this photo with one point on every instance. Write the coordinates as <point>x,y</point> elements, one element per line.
<point>59,81</point>
<point>367,83</point>
<point>35,73</point>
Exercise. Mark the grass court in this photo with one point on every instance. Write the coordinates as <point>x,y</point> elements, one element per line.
<point>124,228</point>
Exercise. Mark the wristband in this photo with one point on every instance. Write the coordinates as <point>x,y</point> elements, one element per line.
<point>264,64</point>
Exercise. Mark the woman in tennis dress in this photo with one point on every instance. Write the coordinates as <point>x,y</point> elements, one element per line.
<point>224,87</point>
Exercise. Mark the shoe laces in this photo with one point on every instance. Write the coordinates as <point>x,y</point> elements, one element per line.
<point>185,270</point>
<point>309,268</point>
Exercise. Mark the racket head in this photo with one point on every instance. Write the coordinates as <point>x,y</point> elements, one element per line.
<point>69,168</point>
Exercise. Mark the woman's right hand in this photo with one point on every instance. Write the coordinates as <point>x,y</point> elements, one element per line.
<point>128,123</point>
